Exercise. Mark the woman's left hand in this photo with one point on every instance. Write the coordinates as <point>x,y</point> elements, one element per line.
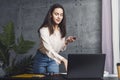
<point>70,39</point>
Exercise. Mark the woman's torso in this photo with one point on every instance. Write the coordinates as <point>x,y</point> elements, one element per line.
<point>55,41</point>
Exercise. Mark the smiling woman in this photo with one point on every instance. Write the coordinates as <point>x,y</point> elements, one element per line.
<point>53,40</point>
<point>57,15</point>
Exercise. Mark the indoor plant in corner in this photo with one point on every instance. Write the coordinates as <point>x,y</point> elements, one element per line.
<point>8,44</point>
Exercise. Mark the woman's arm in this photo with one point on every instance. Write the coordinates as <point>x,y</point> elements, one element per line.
<point>44,32</point>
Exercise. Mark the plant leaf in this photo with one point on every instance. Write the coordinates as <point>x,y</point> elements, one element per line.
<point>9,35</point>
<point>23,45</point>
<point>4,54</point>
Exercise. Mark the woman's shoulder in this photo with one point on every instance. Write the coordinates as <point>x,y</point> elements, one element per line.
<point>44,29</point>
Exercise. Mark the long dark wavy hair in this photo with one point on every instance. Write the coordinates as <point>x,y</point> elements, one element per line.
<point>48,21</point>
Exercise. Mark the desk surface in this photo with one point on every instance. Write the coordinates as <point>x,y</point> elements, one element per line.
<point>50,77</point>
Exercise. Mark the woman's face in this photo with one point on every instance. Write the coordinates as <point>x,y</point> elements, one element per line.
<point>57,15</point>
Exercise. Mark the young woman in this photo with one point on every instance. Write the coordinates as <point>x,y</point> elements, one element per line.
<point>52,33</point>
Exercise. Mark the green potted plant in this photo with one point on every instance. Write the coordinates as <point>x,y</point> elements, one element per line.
<point>9,43</point>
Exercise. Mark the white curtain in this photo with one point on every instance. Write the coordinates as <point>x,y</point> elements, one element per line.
<point>107,34</point>
<point>115,34</point>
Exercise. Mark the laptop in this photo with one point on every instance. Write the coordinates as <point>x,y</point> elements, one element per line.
<point>85,66</point>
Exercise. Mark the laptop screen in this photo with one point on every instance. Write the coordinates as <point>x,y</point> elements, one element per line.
<point>85,65</point>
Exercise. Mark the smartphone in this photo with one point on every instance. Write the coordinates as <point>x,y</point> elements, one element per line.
<point>74,38</point>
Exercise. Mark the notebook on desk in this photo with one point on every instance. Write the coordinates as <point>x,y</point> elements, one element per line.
<point>85,66</point>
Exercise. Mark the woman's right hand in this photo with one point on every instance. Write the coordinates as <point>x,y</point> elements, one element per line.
<point>65,61</point>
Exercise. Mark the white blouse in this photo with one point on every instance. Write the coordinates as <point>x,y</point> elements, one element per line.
<point>52,44</point>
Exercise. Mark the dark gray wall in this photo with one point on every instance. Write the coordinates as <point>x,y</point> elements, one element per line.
<point>83,21</point>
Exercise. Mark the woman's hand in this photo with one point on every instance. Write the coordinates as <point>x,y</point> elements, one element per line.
<point>70,39</point>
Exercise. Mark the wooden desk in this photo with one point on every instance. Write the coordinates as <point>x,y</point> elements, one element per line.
<point>43,77</point>
<point>28,76</point>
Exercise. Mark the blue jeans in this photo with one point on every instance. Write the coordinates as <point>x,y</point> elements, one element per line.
<point>44,64</point>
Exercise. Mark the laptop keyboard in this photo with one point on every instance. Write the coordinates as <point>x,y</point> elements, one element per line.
<point>64,76</point>
<point>85,79</point>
